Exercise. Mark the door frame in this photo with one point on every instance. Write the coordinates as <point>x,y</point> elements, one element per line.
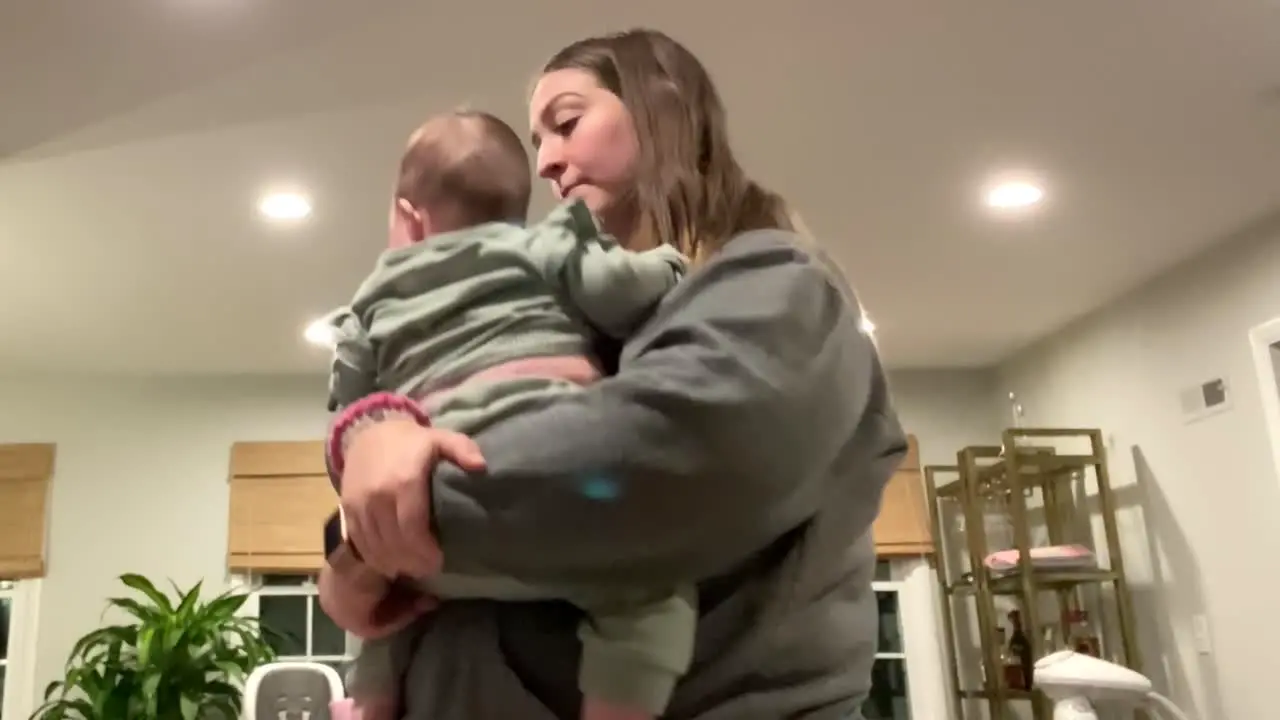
<point>1261,338</point>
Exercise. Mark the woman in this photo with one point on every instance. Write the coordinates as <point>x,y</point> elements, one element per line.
<point>744,440</point>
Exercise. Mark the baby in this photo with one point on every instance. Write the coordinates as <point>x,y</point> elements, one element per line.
<point>478,317</point>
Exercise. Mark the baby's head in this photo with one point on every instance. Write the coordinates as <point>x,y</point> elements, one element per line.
<point>461,169</point>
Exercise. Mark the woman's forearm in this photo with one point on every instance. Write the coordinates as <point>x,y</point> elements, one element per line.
<point>718,435</point>
<point>366,412</point>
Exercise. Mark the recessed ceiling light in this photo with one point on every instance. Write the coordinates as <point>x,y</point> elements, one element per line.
<point>1014,195</point>
<point>320,332</point>
<point>866,325</point>
<point>285,206</point>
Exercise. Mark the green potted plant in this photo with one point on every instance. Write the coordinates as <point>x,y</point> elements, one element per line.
<point>179,659</point>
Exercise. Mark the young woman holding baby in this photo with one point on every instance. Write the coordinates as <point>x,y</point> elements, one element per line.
<point>747,433</point>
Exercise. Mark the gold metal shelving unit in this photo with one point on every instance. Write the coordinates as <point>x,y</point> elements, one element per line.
<point>1026,465</point>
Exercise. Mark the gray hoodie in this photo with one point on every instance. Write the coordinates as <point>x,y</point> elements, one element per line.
<point>744,441</point>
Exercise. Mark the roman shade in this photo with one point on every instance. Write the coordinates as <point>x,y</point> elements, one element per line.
<point>280,497</point>
<point>903,527</point>
<point>26,472</point>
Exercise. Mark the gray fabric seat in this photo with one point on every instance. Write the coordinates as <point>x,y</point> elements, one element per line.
<point>291,691</point>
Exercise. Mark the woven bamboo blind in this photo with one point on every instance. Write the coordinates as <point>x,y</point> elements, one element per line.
<point>25,474</point>
<point>280,498</point>
<point>903,527</point>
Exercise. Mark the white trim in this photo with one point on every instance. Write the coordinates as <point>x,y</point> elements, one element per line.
<point>922,641</point>
<point>1262,338</point>
<point>245,582</point>
<point>20,673</point>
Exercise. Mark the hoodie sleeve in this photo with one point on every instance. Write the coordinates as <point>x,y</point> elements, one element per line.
<point>353,372</point>
<point>717,435</point>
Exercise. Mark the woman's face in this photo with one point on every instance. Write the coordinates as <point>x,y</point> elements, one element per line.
<point>586,143</point>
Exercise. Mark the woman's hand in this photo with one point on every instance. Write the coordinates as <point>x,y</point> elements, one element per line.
<point>386,492</point>
<point>350,594</point>
<point>366,604</point>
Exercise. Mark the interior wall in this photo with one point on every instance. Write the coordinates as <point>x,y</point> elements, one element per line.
<point>140,483</point>
<point>948,409</point>
<point>1200,499</point>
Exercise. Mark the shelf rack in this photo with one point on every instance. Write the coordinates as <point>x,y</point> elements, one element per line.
<point>1024,464</point>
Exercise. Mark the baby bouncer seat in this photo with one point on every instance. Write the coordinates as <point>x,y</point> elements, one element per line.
<point>292,691</point>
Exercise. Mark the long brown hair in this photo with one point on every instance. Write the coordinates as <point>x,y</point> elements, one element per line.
<point>690,190</point>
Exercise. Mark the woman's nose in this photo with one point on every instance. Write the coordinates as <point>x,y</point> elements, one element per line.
<point>550,162</point>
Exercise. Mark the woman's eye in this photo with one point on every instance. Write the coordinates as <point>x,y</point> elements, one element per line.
<point>567,126</point>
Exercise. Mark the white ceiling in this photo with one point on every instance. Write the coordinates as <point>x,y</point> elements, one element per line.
<point>137,135</point>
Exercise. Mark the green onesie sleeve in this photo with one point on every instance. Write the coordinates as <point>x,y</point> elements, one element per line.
<point>614,288</point>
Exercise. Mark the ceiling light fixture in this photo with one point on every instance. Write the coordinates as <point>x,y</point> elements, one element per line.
<point>867,326</point>
<point>285,206</point>
<point>1014,195</point>
<point>321,333</point>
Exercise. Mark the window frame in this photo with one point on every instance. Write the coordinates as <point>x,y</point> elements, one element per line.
<point>256,589</point>
<point>20,671</point>
<point>920,626</point>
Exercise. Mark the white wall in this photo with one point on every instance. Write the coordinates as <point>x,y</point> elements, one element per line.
<point>1202,528</point>
<point>141,482</point>
<point>949,409</point>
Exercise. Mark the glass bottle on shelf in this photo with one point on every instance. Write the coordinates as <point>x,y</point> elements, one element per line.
<point>997,522</point>
<point>1009,670</point>
<point>1080,636</point>
<point>1050,639</point>
<point>1019,653</point>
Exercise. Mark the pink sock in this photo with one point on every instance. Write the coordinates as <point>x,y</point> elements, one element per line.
<point>593,709</point>
<point>344,709</point>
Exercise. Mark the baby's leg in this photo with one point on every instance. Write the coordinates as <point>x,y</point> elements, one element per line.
<point>634,652</point>
<point>374,681</point>
<point>635,645</point>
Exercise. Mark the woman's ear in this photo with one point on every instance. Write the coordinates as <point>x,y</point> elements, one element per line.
<point>407,226</point>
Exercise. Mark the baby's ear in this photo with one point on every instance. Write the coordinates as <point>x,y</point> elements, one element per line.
<point>408,226</point>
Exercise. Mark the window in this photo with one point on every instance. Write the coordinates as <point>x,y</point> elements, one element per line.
<point>907,680</point>
<point>289,605</point>
<point>18,602</point>
<point>889,699</point>
<point>6,615</point>
<point>26,471</point>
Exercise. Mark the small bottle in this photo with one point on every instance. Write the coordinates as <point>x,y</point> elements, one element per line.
<point>1010,669</point>
<point>1080,637</point>
<point>1020,651</point>
<point>1049,638</point>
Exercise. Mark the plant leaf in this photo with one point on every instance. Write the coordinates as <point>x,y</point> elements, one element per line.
<point>145,586</point>
<point>190,708</point>
<point>142,612</point>
<point>179,659</point>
